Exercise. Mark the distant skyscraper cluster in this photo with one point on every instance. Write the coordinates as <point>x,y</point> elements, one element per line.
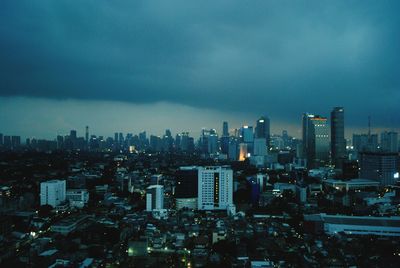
<point>323,144</point>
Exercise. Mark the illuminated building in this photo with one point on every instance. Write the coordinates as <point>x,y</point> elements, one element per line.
<point>215,188</point>
<point>315,140</point>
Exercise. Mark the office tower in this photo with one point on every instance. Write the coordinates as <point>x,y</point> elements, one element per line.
<point>143,142</point>
<point>184,141</point>
<point>154,197</point>
<point>247,134</point>
<point>121,138</point>
<point>233,148</point>
<point>389,142</point>
<point>380,166</point>
<point>116,138</point>
<point>213,143</point>
<point>225,129</point>
<point>260,147</point>
<point>285,138</point>
<point>52,192</point>
<point>315,140</point>
<point>1,139</point>
<point>208,141</point>
<point>72,135</point>
<point>15,142</point>
<point>186,189</point>
<point>7,142</point>
<point>155,143</point>
<point>60,142</point>
<point>178,141</point>
<point>263,129</point>
<point>168,141</point>
<point>215,188</point>
<point>338,142</point>
<point>365,142</point>
<point>87,134</point>
<point>224,140</point>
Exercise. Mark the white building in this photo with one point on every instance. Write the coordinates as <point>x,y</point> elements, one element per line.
<point>52,192</point>
<point>154,197</point>
<point>77,197</point>
<point>357,225</point>
<point>215,188</point>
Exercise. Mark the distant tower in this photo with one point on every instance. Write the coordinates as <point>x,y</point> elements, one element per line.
<point>87,135</point>
<point>263,129</point>
<point>338,142</point>
<point>225,129</point>
<point>315,140</point>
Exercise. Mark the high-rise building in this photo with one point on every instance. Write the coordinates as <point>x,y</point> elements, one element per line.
<point>15,142</point>
<point>154,197</point>
<point>87,135</point>
<point>215,188</point>
<point>225,129</point>
<point>365,142</point>
<point>315,140</point>
<point>1,139</point>
<point>116,138</point>
<point>233,148</point>
<point>72,135</point>
<point>213,143</point>
<point>380,166</point>
<point>186,189</point>
<point>260,147</point>
<point>389,141</point>
<point>338,142</point>
<point>7,142</point>
<point>263,129</point>
<point>52,192</point>
<point>247,134</point>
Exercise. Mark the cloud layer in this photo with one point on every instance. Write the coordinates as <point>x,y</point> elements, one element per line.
<point>279,58</point>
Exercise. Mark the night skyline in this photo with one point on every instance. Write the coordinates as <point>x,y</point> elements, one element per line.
<point>134,66</point>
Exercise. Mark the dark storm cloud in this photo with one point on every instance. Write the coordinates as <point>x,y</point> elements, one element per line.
<point>260,57</point>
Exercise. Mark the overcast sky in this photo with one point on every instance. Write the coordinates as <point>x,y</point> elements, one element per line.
<point>184,65</point>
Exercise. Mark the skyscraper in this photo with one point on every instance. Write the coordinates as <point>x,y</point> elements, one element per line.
<point>87,135</point>
<point>389,141</point>
<point>52,192</point>
<point>263,129</point>
<point>215,188</point>
<point>186,187</point>
<point>380,166</point>
<point>338,142</point>
<point>154,197</point>
<point>247,134</point>
<point>315,140</point>
<point>225,129</point>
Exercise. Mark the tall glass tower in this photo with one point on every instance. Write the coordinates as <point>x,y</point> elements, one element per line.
<point>338,142</point>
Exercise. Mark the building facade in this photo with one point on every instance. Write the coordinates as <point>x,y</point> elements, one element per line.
<point>52,192</point>
<point>215,188</point>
